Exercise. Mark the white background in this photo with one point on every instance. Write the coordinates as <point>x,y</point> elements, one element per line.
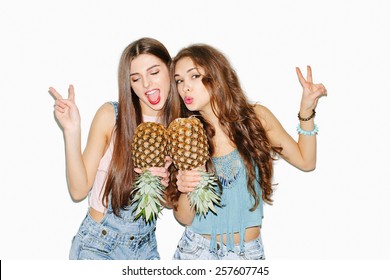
<point>339,211</point>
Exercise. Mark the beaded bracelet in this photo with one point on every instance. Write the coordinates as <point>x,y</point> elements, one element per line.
<point>308,118</point>
<point>307,132</point>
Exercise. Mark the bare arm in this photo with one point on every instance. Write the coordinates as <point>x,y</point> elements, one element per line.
<point>186,182</point>
<point>301,154</point>
<point>81,168</point>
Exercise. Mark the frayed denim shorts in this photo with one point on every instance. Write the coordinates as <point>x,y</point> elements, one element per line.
<point>193,246</point>
<point>115,238</point>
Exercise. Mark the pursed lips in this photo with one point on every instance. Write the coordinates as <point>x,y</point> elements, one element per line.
<point>188,100</point>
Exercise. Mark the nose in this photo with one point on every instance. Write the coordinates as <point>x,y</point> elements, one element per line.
<point>146,82</point>
<point>186,86</point>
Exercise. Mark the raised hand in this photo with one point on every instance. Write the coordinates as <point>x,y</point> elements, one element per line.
<point>311,92</point>
<point>66,110</point>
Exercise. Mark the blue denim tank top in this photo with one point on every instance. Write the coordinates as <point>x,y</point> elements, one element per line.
<point>234,215</point>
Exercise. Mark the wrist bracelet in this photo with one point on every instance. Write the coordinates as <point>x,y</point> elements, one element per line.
<point>308,118</point>
<point>308,132</point>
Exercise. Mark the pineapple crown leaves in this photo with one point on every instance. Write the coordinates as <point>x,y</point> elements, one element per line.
<point>205,196</point>
<point>148,195</point>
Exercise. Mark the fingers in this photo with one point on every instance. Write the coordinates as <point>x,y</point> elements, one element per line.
<point>62,105</point>
<point>138,170</point>
<point>168,162</point>
<point>320,90</point>
<point>159,171</point>
<point>309,76</point>
<point>165,182</point>
<point>190,174</point>
<point>59,109</point>
<point>185,189</point>
<point>323,89</point>
<point>71,93</point>
<point>187,181</point>
<point>301,79</point>
<point>54,93</point>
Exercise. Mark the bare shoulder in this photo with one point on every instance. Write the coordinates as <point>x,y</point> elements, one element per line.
<point>104,119</point>
<point>265,115</point>
<point>261,110</point>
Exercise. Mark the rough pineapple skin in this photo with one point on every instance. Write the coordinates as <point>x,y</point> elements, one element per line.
<point>187,143</point>
<point>149,145</point>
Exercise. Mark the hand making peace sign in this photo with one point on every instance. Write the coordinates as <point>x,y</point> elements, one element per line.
<point>311,92</point>
<point>66,110</point>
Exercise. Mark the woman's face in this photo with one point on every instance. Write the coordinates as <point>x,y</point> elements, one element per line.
<point>188,78</point>
<point>149,78</point>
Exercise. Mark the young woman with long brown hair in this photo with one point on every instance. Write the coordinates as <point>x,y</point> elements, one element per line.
<point>244,140</point>
<point>105,171</point>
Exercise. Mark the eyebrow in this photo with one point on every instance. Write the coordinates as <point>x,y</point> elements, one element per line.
<point>189,70</point>
<point>151,67</point>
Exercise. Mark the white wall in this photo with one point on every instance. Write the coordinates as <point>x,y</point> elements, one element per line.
<point>339,211</point>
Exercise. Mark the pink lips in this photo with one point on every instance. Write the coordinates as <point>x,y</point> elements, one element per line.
<point>188,100</point>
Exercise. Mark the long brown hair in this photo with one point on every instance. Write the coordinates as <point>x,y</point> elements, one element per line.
<point>236,116</point>
<point>121,173</point>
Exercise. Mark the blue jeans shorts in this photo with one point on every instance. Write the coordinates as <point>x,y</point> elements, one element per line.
<point>193,246</point>
<point>114,238</point>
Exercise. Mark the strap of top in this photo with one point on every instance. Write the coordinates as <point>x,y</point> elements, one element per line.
<point>115,104</point>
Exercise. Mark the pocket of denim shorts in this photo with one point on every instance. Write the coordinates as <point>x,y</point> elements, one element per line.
<point>99,245</point>
<point>254,251</point>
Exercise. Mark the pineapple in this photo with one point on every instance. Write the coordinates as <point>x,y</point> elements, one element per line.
<point>148,150</point>
<point>188,148</point>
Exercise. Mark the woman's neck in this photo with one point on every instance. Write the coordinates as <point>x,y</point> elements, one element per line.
<point>147,118</point>
<point>211,118</point>
<point>221,141</point>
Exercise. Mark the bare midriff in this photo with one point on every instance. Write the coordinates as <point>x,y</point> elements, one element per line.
<point>251,233</point>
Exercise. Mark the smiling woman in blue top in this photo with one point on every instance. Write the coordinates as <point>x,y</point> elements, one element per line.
<point>244,140</point>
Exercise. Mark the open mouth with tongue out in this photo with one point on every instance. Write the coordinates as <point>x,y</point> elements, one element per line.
<point>153,96</point>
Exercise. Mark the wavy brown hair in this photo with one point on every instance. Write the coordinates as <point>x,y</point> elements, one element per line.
<point>121,175</point>
<point>236,116</point>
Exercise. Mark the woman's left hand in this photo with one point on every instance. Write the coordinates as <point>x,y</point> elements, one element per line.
<point>311,92</point>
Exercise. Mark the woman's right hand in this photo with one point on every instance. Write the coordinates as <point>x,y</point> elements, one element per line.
<point>65,110</point>
<point>161,172</point>
<point>187,180</point>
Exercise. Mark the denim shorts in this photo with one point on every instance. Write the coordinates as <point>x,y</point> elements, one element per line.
<point>193,246</point>
<point>115,238</point>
